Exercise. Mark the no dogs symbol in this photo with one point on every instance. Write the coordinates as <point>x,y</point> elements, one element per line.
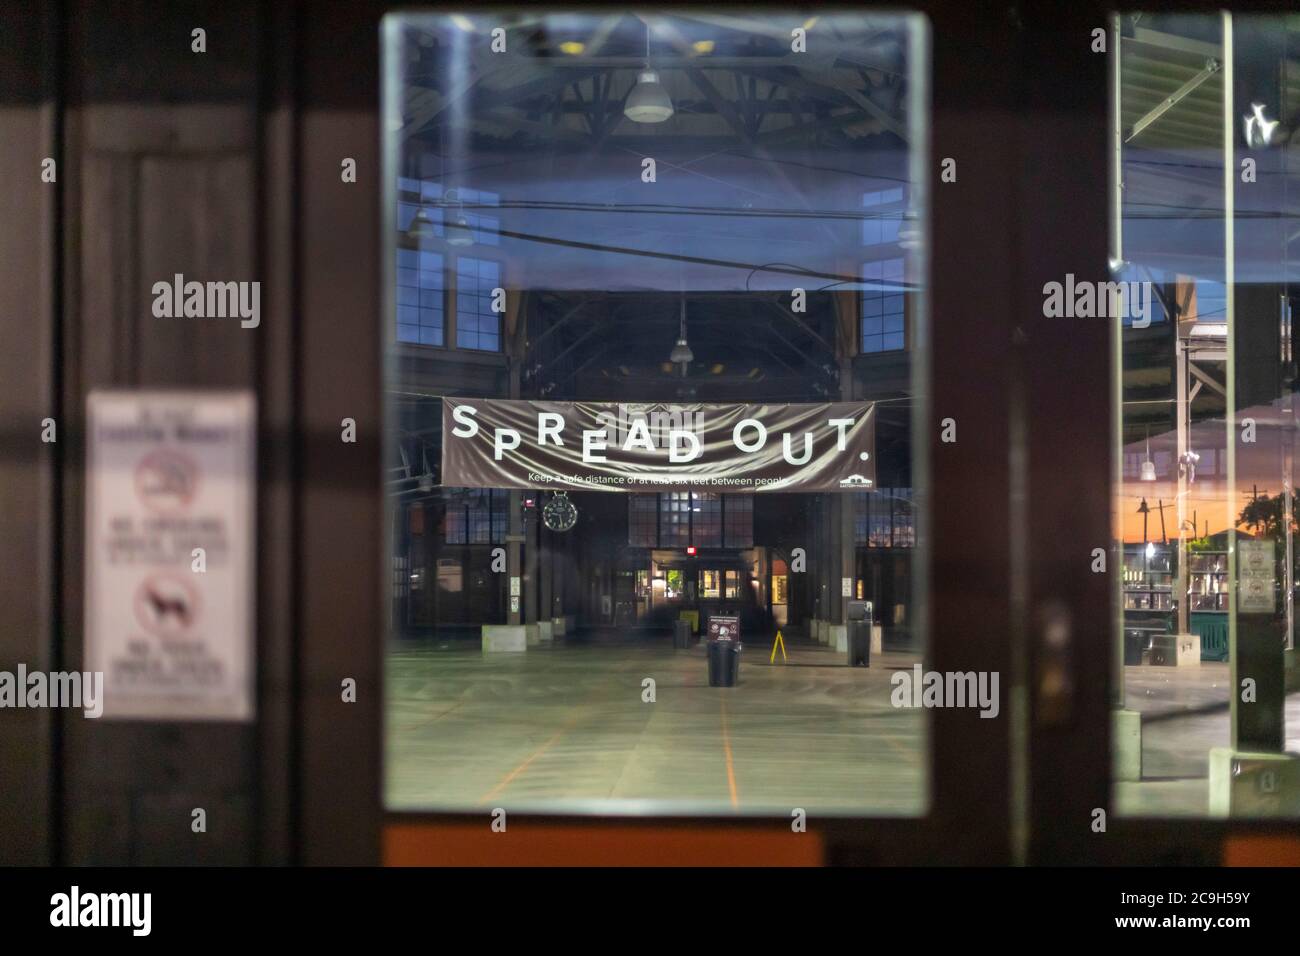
<point>166,606</point>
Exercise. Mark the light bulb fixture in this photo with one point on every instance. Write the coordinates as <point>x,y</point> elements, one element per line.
<point>422,225</point>
<point>458,231</point>
<point>909,230</point>
<point>1259,130</point>
<point>648,102</point>
<point>682,354</point>
<point>1148,472</point>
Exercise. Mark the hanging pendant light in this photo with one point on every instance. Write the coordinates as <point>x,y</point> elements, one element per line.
<point>648,102</point>
<point>682,354</point>
<point>1148,472</point>
<point>909,229</point>
<point>422,225</point>
<point>458,231</point>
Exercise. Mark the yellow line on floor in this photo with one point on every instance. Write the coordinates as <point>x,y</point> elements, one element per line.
<point>505,781</point>
<point>726,749</point>
<point>577,714</point>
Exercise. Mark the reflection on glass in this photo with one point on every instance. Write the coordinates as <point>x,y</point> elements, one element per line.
<point>1204,218</point>
<point>678,207</point>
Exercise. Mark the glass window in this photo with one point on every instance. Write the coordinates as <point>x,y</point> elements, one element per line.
<point>475,516</point>
<point>779,583</point>
<point>483,223</point>
<point>706,520</point>
<point>739,518</point>
<point>882,213</point>
<point>768,177</point>
<point>882,305</point>
<point>710,584</point>
<point>1204,516</point>
<point>477,325</point>
<point>421,289</point>
<point>675,519</point>
<point>642,520</point>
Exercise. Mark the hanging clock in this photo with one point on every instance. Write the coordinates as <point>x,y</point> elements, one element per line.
<point>559,513</point>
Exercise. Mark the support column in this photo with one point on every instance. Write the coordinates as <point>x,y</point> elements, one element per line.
<point>545,611</point>
<point>530,582</point>
<point>1126,725</point>
<point>514,560</point>
<point>1254,776</point>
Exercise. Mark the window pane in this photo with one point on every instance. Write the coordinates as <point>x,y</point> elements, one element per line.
<point>706,520</point>
<point>642,520</point>
<point>1205,444</point>
<point>606,272</point>
<point>739,510</point>
<point>477,326</point>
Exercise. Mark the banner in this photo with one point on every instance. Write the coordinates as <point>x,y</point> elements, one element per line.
<point>609,446</point>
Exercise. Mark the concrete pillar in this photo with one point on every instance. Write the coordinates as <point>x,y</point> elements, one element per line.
<point>824,558</point>
<point>531,582</point>
<point>848,555</point>
<point>546,609</point>
<point>514,560</point>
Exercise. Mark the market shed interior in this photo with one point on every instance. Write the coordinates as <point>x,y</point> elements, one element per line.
<point>766,224</point>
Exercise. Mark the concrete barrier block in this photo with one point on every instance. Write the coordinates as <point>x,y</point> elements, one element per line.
<point>838,637</point>
<point>532,635</point>
<point>504,638</point>
<point>1244,784</point>
<point>557,626</point>
<point>545,631</point>
<point>1126,744</point>
<point>877,639</point>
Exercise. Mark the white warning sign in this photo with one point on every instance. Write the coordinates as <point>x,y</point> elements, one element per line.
<point>169,553</point>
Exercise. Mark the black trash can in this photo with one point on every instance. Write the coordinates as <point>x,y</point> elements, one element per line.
<point>860,644</point>
<point>681,634</point>
<point>724,663</point>
<point>1135,642</point>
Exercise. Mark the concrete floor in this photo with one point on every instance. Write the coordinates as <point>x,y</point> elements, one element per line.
<point>1184,713</point>
<point>564,728</point>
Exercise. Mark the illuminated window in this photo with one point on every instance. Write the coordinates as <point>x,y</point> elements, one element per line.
<point>675,519</point>
<point>420,291</point>
<point>882,306</point>
<point>779,589</point>
<point>732,585</point>
<point>882,212</point>
<point>709,584</point>
<point>477,326</point>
